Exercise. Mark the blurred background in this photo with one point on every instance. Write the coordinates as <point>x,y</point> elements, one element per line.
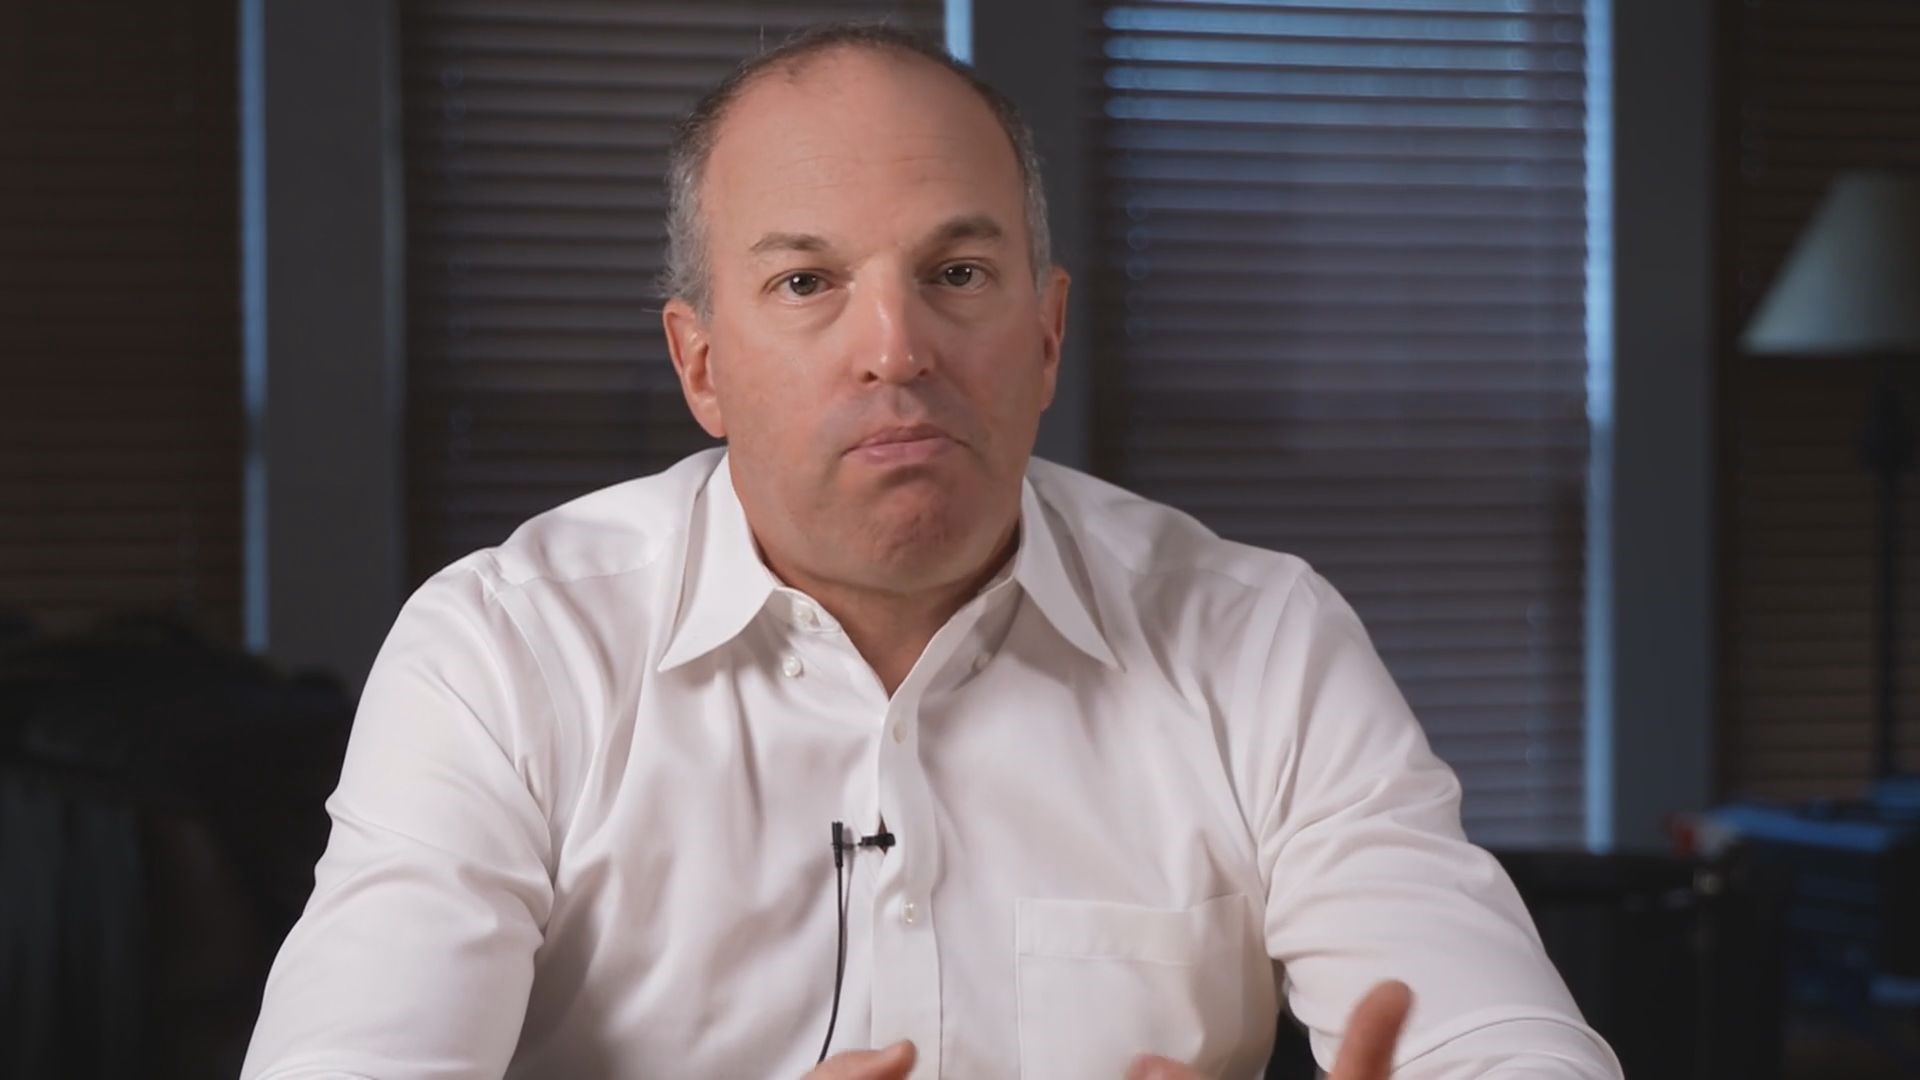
<point>1573,340</point>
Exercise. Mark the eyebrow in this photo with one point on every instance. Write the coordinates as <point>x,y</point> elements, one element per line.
<point>966,227</point>
<point>786,241</point>
<point>954,230</point>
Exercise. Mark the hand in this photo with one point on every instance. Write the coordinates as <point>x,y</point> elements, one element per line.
<point>1373,1027</point>
<point>1365,1054</point>
<point>889,1063</point>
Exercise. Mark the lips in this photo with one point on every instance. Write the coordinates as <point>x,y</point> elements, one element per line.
<point>905,433</point>
<point>902,446</point>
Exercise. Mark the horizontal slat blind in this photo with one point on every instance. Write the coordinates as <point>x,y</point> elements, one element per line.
<point>1341,308</point>
<point>535,139</point>
<point>1813,89</point>
<point>120,400</point>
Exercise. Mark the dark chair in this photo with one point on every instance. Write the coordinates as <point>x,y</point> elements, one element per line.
<point>160,815</point>
<point>1677,964</point>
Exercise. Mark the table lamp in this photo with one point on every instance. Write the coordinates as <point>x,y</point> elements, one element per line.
<point>1851,288</point>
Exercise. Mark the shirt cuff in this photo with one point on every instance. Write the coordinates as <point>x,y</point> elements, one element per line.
<point>1519,1048</point>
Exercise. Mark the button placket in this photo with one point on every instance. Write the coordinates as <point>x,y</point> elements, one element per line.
<point>906,975</point>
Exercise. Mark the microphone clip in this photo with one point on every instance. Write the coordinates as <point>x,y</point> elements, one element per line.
<point>845,842</point>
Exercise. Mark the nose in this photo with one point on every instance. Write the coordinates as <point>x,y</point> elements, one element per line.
<point>893,349</point>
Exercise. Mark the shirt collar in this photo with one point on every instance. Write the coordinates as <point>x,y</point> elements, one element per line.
<point>1059,594</point>
<point>726,584</point>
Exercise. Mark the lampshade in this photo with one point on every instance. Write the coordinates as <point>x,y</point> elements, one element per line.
<point>1852,284</point>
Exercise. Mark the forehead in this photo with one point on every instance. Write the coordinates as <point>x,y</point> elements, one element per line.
<point>854,139</point>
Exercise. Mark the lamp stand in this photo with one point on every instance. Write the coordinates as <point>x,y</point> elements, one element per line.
<point>1887,445</point>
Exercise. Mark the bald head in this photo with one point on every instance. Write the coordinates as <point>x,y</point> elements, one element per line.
<point>689,156</point>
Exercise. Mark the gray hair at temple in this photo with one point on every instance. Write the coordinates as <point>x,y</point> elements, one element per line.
<point>687,270</point>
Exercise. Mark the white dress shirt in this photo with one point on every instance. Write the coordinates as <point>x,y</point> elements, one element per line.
<point>1145,785</point>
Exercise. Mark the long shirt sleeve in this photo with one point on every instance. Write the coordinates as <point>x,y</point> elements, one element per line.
<point>416,950</point>
<point>1371,877</point>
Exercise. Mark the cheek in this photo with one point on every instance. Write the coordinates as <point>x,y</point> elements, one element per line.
<point>1007,374</point>
<point>771,401</point>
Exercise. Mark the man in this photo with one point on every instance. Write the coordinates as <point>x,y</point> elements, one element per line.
<point>1112,784</point>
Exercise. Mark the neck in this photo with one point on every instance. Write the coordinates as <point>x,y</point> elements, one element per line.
<point>892,629</point>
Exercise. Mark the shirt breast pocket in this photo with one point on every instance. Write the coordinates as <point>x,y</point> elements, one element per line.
<point>1099,983</point>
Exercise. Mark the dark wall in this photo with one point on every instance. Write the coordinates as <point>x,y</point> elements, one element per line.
<point>120,409</point>
<point>1806,90</point>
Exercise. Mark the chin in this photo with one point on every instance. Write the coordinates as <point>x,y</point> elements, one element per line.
<point>920,539</point>
<point>925,526</point>
<point>903,526</point>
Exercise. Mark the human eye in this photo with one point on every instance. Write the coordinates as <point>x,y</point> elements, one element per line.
<point>800,284</point>
<point>962,275</point>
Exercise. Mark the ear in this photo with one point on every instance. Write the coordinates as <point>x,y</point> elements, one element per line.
<point>692,351</point>
<point>1053,327</point>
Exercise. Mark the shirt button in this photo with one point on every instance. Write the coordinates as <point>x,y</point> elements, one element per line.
<point>908,913</point>
<point>899,731</point>
<point>791,667</point>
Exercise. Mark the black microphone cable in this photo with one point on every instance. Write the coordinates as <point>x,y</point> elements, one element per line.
<point>840,944</point>
<point>841,845</point>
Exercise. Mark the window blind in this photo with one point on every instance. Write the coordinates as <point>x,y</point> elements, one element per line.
<point>535,145</point>
<point>1811,89</point>
<point>1340,308</point>
<point>120,398</point>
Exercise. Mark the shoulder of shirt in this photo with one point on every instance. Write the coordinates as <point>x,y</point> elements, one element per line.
<point>1147,539</point>
<point>625,528</point>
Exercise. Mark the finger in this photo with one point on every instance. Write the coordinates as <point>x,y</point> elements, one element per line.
<point>1154,1067</point>
<point>890,1063</point>
<point>1372,1030</point>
